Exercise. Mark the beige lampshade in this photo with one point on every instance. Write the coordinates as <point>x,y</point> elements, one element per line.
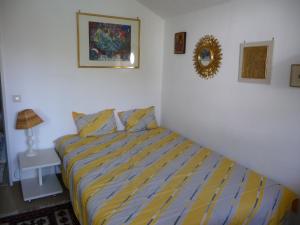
<point>27,119</point>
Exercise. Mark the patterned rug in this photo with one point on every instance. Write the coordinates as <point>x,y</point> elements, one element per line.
<point>57,215</point>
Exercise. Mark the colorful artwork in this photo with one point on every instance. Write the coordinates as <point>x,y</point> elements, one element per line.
<point>109,42</point>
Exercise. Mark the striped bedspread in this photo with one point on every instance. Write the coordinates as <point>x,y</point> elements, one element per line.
<point>159,177</point>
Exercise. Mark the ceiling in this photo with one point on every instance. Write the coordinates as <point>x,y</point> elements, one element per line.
<point>170,8</point>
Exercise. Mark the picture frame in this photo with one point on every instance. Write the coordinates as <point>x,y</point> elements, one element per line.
<point>107,41</point>
<point>179,43</point>
<point>256,62</point>
<point>295,75</point>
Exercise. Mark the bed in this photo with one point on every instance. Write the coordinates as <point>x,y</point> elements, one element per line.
<point>160,177</point>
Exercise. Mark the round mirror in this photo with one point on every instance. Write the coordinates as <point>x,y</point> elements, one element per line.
<point>207,56</point>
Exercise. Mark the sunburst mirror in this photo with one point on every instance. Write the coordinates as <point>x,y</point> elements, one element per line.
<point>207,56</point>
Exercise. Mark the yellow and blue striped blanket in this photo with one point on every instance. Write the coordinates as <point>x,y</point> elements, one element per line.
<point>159,177</point>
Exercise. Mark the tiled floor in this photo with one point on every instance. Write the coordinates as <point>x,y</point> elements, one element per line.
<point>11,201</point>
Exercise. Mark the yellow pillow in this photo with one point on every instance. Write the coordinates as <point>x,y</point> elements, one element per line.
<point>138,119</point>
<point>95,124</point>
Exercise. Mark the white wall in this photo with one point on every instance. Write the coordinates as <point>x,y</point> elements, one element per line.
<point>257,125</point>
<point>40,63</point>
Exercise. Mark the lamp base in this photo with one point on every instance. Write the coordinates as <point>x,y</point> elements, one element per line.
<point>31,153</point>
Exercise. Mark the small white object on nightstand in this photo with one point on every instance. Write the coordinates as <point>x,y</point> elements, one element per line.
<point>40,186</point>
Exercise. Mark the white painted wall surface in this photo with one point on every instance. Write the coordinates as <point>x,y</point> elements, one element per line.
<point>257,125</point>
<point>40,63</point>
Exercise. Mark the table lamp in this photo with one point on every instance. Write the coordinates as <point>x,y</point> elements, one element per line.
<point>26,120</point>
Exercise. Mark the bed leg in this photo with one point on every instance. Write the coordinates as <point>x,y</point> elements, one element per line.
<point>295,206</point>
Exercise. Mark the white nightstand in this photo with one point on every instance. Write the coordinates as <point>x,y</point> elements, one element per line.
<point>40,186</point>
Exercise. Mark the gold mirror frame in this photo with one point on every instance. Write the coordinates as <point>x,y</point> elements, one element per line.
<point>211,43</point>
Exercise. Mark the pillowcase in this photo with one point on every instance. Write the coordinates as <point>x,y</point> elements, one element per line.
<point>138,119</point>
<point>96,124</point>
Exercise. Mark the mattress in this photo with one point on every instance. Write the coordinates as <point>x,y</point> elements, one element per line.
<point>160,177</point>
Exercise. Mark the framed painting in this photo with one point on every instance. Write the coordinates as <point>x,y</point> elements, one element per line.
<point>295,75</point>
<point>108,41</point>
<point>256,62</point>
<point>179,43</point>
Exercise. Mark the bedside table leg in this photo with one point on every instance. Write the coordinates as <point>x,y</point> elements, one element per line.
<point>40,177</point>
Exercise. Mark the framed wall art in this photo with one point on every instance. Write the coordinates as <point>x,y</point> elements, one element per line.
<point>295,75</point>
<point>256,62</point>
<point>179,43</point>
<point>108,41</point>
